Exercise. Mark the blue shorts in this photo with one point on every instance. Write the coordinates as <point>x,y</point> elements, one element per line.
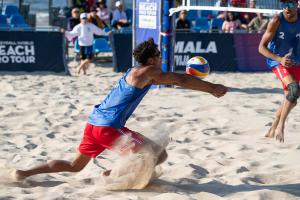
<point>86,52</point>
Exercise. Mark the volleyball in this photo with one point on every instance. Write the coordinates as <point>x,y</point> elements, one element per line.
<point>197,66</point>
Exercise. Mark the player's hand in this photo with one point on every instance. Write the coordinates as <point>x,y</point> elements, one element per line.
<point>62,30</point>
<point>219,90</point>
<point>286,61</point>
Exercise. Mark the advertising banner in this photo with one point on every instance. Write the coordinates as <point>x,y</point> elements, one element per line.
<point>247,56</point>
<point>147,20</point>
<point>121,44</point>
<point>217,48</point>
<point>224,52</point>
<point>32,51</point>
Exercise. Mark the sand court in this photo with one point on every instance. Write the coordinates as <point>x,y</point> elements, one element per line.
<point>217,148</point>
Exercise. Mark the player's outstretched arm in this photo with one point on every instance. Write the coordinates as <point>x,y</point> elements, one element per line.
<point>187,81</point>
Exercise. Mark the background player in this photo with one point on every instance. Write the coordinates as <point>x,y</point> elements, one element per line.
<point>280,44</point>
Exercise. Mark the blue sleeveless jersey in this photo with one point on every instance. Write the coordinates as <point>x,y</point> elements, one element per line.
<point>118,105</point>
<point>286,40</point>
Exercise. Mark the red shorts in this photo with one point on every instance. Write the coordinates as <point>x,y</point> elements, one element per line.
<point>98,138</point>
<point>282,72</point>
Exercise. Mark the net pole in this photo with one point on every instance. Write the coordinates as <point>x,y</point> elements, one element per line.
<point>167,33</point>
<point>134,29</point>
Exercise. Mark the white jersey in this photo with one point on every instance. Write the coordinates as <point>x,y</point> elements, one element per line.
<point>85,33</point>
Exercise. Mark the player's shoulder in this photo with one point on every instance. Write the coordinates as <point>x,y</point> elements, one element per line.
<point>274,23</point>
<point>275,19</point>
<point>149,70</point>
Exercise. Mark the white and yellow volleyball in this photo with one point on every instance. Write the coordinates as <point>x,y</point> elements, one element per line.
<point>197,66</point>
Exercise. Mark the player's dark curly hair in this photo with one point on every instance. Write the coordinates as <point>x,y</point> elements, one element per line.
<point>145,50</point>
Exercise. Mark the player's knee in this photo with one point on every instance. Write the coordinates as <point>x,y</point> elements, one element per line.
<point>293,92</point>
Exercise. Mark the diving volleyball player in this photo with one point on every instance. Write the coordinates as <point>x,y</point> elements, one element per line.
<point>107,121</point>
<point>280,44</point>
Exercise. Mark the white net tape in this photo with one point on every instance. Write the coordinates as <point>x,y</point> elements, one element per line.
<point>262,6</point>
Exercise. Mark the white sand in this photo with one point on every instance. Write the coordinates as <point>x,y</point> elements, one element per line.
<point>217,149</point>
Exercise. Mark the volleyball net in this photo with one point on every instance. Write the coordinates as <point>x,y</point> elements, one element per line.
<point>257,6</point>
<point>238,15</point>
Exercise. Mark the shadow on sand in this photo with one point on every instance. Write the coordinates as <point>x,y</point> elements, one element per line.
<point>218,188</point>
<point>256,90</point>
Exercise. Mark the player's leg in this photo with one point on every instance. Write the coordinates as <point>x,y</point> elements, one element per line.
<point>280,72</point>
<point>291,95</point>
<point>82,58</point>
<point>136,143</point>
<point>84,65</point>
<point>76,165</point>
<point>85,56</point>
<point>271,131</point>
<point>88,58</point>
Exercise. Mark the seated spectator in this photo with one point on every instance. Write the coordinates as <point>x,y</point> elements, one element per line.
<point>95,19</point>
<point>74,19</point>
<point>252,4</point>
<point>221,3</point>
<point>81,4</point>
<point>90,4</point>
<point>247,17</point>
<point>103,12</point>
<point>221,14</point>
<point>258,24</point>
<point>238,3</point>
<point>119,19</point>
<point>231,23</point>
<point>182,22</point>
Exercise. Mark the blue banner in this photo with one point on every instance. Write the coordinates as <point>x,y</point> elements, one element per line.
<point>147,20</point>
<point>32,51</point>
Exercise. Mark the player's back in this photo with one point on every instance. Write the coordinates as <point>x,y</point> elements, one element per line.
<point>286,40</point>
<point>118,105</point>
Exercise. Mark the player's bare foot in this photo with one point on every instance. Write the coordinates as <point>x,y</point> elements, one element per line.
<point>270,133</point>
<point>280,135</point>
<point>17,175</point>
<point>106,173</point>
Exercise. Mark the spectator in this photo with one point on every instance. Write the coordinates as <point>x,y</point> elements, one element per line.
<point>258,24</point>
<point>238,3</point>
<point>119,19</point>
<point>74,19</point>
<point>95,19</point>
<point>85,32</point>
<point>247,17</point>
<point>182,22</point>
<point>103,12</point>
<point>231,23</point>
<point>90,4</point>
<point>221,3</point>
<point>81,4</point>
<point>221,14</point>
<point>252,4</point>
